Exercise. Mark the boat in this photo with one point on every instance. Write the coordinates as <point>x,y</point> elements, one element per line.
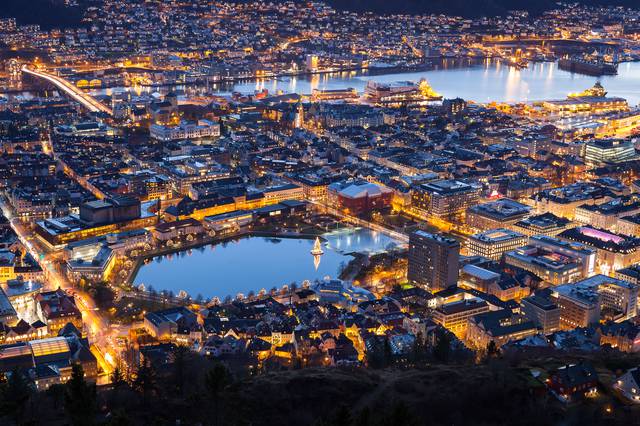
<point>317,248</point>
<point>587,66</point>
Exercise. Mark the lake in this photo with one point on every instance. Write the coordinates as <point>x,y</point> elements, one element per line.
<point>255,263</point>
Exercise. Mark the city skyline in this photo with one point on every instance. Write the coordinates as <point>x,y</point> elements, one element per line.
<point>319,213</point>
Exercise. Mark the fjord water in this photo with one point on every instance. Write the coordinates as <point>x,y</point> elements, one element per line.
<point>479,81</point>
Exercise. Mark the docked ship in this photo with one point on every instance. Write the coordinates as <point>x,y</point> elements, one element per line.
<point>400,92</point>
<point>595,67</point>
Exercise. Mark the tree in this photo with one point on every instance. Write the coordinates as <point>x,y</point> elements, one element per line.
<point>364,418</point>
<point>14,395</point>
<point>418,348</point>
<point>388,354</point>
<point>179,366</point>
<point>399,416</point>
<point>80,398</point>
<point>216,380</point>
<point>442,349</point>
<point>145,382</point>
<point>117,377</point>
<point>118,418</point>
<point>342,417</point>
<point>492,350</point>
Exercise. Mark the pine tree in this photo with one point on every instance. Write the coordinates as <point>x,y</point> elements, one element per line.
<point>80,398</point>
<point>216,380</point>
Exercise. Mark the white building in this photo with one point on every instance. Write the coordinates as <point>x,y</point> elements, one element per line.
<point>201,129</point>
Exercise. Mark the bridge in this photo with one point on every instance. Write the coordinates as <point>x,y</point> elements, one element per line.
<point>72,91</point>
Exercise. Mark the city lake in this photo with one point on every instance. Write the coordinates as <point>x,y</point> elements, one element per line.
<point>254,263</point>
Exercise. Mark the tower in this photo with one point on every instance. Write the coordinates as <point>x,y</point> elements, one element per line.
<point>299,117</point>
<point>14,70</point>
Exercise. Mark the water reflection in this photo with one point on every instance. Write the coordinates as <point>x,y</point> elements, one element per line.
<point>256,262</point>
<point>480,81</point>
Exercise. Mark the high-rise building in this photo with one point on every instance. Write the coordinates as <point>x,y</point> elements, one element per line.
<point>433,260</point>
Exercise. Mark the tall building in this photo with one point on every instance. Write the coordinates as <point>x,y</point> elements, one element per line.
<point>433,260</point>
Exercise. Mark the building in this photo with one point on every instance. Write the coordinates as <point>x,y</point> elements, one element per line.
<point>357,198</point>
<point>341,293</point>
<point>493,243</point>
<point>613,251</point>
<point>201,129</point>
<point>499,327</point>
<point>455,316</point>
<point>96,219</point>
<point>624,336</point>
<point>400,92</point>
<point>444,199</point>
<point>454,106</point>
<point>182,228</point>
<point>57,309</point>
<point>629,225</point>
<point>574,381</point>
<point>563,201</point>
<point>607,215</point>
<point>92,262</point>
<point>630,274</point>
<point>629,385</point>
<point>117,209</point>
<point>542,224</point>
<point>433,260</point>
<point>319,95</point>
<point>553,267</point>
<point>178,325</point>
<point>600,152</point>
<point>579,307</point>
<point>585,254</point>
<point>618,298</point>
<point>584,303</point>
<point>478,278</point>
<point>540,309</point>
<point>312,63</point>
<point>497,214</point>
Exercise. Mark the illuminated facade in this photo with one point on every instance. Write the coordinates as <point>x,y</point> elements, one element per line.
<point>433,260</point>
<point>445,199</point>
<point>493,243</point>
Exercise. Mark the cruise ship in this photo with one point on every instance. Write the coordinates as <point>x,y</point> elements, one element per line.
<point>401,92</point>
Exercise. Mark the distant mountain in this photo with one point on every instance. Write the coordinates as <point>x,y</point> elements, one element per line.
<point>467,8</point>
<point>46,13</point>
<point>54,14</point>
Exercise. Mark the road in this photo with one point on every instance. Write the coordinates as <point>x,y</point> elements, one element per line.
<point>72,91</point>
<point>97,324</point>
